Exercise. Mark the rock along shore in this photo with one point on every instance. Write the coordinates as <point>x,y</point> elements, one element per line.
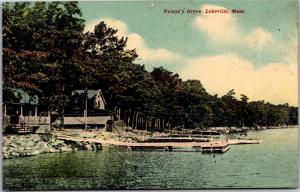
<point>34,144</point>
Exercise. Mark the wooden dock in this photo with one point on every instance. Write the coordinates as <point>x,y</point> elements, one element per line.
<point>243,141</point>
<point>168,146</point>
<point>176,139</point>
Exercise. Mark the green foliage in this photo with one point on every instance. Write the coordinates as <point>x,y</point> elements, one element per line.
<point>44,46</point>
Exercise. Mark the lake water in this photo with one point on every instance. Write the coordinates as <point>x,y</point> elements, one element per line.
<point>272,164</point>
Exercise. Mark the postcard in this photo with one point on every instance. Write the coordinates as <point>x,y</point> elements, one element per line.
<point>192,94</point>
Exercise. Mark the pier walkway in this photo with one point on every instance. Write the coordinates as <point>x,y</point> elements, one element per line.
<point>170,145</point>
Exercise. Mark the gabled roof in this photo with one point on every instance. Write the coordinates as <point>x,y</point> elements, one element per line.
<point>90,93</point>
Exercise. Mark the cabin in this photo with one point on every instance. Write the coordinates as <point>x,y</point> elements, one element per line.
<point>87,108</point>
<point>22,113</point>
<point>95,96</point>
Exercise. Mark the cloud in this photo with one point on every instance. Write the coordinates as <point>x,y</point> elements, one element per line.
<point>275,82</point>
<point>223,28</point>
<point>136,41</point>
<point>219,27</point>
<point>258,38</point>
<point>147,53</point>
<point>113,23</point>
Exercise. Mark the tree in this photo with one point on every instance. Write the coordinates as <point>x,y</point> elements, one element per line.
<point>46,53</point>
<point>242,110</point>
<point>40,43</point>
<point>195,103</point>
<point>230,110</point>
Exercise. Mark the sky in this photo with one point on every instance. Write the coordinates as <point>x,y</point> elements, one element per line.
<point>255,52</point>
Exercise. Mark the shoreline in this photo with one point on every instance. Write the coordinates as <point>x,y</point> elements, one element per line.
<point>15,146</point>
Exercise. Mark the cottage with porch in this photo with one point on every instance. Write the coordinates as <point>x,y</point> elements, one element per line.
<point>25,115</point>
<point>87,108</point>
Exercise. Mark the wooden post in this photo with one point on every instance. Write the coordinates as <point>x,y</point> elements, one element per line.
<point>49,119</point>
<point>35,115</point>
<point>29,114</point>
<point>21,115</point>
<point>35,111</point>
<point>4,109</point>
<point>85,111</point>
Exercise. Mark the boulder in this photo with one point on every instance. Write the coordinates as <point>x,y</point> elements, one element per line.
<point>86,146</point>
<point>96,146</point>
<point>21,143</point>
<point>43,148</point>
<point>5,156</point>
<point>52,140</point>
<point>76,144</point>
<point>58,144</point>
<point>66,149</point>
<point>34,152</point>
<point>30,144</point>
<point>14,154</point>
<point>22,154</point>
<point>53,150</point>
<point>21,149</point>
<point>4,149</point>
<point>46,137</point>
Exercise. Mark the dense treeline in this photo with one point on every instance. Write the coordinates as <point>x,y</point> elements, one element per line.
<point>46,53</point>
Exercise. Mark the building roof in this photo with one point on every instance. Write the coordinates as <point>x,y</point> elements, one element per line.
<point>91,93</point>
<point>24,97</point>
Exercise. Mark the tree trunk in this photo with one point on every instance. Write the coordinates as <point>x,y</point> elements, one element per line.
<point>159,123</point>
<point>143,123</point>
<point>130,117</point>
<point>136,120</point>
<point>126,118</point>
<point>119,114</point>
<point>62,124</point>
<point>133,120</point>
<point>153,122</point>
